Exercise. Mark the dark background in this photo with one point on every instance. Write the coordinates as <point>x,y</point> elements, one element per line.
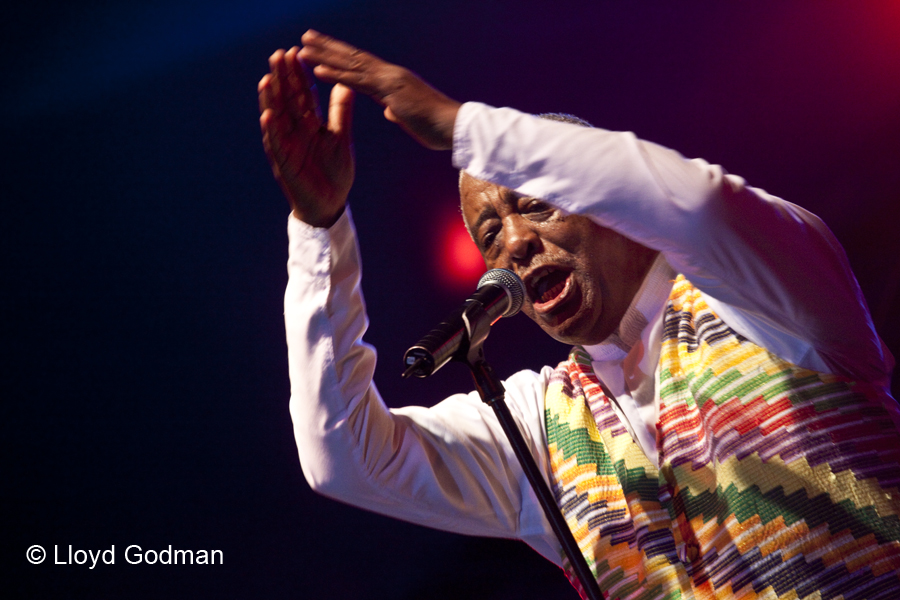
<point>144,375</point>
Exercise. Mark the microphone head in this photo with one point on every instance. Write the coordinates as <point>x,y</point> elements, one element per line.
<point>511,284</point>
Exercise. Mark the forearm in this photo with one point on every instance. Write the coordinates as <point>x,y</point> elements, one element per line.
<point>324,394</point>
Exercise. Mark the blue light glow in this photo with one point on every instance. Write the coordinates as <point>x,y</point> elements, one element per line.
<point>116,45</point>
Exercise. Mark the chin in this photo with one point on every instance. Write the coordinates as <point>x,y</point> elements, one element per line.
<point>576,332</point>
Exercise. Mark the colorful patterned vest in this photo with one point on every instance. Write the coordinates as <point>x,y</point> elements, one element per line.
<point>774,481</point>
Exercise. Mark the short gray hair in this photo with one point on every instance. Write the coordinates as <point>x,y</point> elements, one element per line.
<point>564,118</point>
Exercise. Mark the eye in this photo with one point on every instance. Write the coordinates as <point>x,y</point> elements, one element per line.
<point>488,239</point>
<point>537,209</point>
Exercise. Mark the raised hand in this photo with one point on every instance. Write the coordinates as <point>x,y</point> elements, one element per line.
<point>312,161</point>
<point>423,112</point>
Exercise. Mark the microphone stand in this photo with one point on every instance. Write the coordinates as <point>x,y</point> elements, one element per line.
<point>494,395</point>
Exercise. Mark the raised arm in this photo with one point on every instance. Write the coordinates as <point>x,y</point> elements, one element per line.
<point>448,466</point>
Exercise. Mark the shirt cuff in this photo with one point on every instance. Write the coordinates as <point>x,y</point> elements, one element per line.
<point>310,248</point>
<point>462,143</point>
<point>296,227</point>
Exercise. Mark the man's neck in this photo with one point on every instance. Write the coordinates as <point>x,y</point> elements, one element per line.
<point>644,307</point>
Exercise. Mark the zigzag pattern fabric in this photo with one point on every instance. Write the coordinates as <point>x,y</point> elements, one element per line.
<point>774,481</point>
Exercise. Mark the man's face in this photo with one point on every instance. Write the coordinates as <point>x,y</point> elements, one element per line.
<point>579,277</point>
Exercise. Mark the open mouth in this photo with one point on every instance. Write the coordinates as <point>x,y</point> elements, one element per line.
<point>548,286</point>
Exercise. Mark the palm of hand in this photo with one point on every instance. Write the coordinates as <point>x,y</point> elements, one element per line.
<point>312,162</point>
<point>316,172</point>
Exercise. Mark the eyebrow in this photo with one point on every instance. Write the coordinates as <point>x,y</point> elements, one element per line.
<point>490,213</point>
<point>487,213</point>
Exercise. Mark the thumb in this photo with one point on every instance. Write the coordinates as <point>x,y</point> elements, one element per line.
<point>340,110</point>
<point>390,116</point>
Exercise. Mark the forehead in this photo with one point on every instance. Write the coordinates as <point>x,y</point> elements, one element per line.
<point>479,198</point>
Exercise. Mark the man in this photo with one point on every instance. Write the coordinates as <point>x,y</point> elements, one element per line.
<point>722,427</point>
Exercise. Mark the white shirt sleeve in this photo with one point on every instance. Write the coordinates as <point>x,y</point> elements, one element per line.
<point>771,269</point>
<point>449,466</point>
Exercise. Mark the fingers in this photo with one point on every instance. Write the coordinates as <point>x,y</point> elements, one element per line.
<point>299,97</point>
<point>264,89</point>
<point>323,49</point>
<point>425,113</point>
<point>276,125</point>
<point>276,122</point>
<point>290,117</point>
<point>340,110</point>
<point>270,111</point>
<point>338,62</point>
<point>287,92</point>
<point>267,140</point>
<point>269,89</point>
<point>299,86</point>
<point>302,78</point>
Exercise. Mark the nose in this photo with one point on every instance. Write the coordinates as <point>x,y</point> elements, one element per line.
<point>522,241</point>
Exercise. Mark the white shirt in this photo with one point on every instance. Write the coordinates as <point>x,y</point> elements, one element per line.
<point>770,269</point>
<point>628,361</point>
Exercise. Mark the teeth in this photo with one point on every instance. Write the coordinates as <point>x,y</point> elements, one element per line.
<point>542,279</point>
<point>539,275</point>
<point>553,292</point>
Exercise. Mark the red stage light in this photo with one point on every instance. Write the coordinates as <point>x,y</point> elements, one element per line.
<point>460,263</point>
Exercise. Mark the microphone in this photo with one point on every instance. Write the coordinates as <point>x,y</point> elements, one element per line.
<point>500,293</point>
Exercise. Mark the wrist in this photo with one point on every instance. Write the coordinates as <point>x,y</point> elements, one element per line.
<point>324,220</point>
<point>448,122</point>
